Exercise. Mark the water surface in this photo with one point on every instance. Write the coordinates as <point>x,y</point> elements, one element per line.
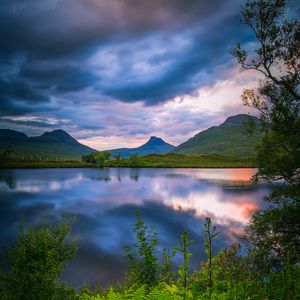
<point>105,201</point>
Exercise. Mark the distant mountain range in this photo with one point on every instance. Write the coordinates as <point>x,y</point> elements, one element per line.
<point>228,138</point>
<point>56,144</point>
<point>155,145</point>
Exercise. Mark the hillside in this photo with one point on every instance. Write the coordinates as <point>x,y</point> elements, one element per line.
<point>56,144</point>
<point>154,145</point>
<point>226,139</point>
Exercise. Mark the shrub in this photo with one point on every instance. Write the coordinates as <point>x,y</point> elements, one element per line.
<point>36,262</point>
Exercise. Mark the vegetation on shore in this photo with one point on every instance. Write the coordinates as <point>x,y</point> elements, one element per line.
<point>104,159</point>
<point>40,255</point>
<point>170,160</point>
<point>45,164</point>
<point>173,160</point>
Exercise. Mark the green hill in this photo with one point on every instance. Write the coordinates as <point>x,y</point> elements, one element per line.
<point>228,139</point>
<point>56,144</point>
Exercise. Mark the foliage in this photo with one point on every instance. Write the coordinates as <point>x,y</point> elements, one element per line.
<point>277,98</point>
<point>167,275</point>
<point>142,259</point>
<point>97,158</point>
<point>234,276</point>
<point>273,234</point>
<point>134,161</point>
<point>36,262</point>
<point>210,234</point>
<point>162,291</point>
<point>183,270</point>
<point>39,256</point>
<point>45,164</point>
<point>173,160</point>
<point>278,158</point>
<point>117,156</point>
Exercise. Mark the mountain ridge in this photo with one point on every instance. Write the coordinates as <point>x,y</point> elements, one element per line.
<point>55,136</point>
<point>51,144</point>
<point>228,138</point>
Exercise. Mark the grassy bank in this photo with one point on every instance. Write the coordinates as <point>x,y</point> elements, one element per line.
<point>170,160</point>
<point>45,164</point>
<point>173,160</point>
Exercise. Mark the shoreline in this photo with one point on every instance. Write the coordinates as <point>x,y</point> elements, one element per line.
<point>10,167</point>
<point>205,161</point>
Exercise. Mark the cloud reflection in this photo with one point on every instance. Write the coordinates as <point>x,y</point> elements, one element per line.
<point>105,200</point>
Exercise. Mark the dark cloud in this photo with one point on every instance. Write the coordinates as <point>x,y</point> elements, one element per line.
<point>48,45</point>
<point>40,123</point>
<point>53,28</point>
<point>19,89</point>
<point>76,59</point>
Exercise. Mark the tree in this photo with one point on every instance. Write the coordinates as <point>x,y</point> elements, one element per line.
<point>210,234</point>
<point>106,155</point>
<point>36,262</point>
<point>134,161</point>
<point>166,273</point>
<point>183,248</point>
<point>143,268</point>
<point>277,97</point>
<point>117,156</point>
<point>89,158</point>
<point>97,158</point>
<point>274,233</point>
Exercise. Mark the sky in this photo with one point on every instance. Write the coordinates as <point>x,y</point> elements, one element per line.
<point>112,73</point>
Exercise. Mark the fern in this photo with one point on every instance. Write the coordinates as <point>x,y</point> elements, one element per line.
<point>138,294</point>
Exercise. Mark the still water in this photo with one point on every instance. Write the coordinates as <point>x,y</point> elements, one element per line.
<point>105,200</point>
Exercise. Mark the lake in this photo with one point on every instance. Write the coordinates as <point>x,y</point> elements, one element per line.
<point>105,201</point>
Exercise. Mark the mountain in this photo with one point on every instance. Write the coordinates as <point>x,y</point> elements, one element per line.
<point>226,139</point>
<point>154,145</point>
<point>55,136</point>
<point>12,135</point>
<point>56,144</point>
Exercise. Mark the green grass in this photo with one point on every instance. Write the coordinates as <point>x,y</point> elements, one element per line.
<point>29,151</point>
<point>173,160</point>
<point>45,164</point>
<point>170,160</point>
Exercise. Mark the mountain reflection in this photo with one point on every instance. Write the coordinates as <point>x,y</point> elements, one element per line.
<point>105,200</point>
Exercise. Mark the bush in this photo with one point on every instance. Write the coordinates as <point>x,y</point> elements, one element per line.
<point>36,262</point>
<point>97,158</point>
